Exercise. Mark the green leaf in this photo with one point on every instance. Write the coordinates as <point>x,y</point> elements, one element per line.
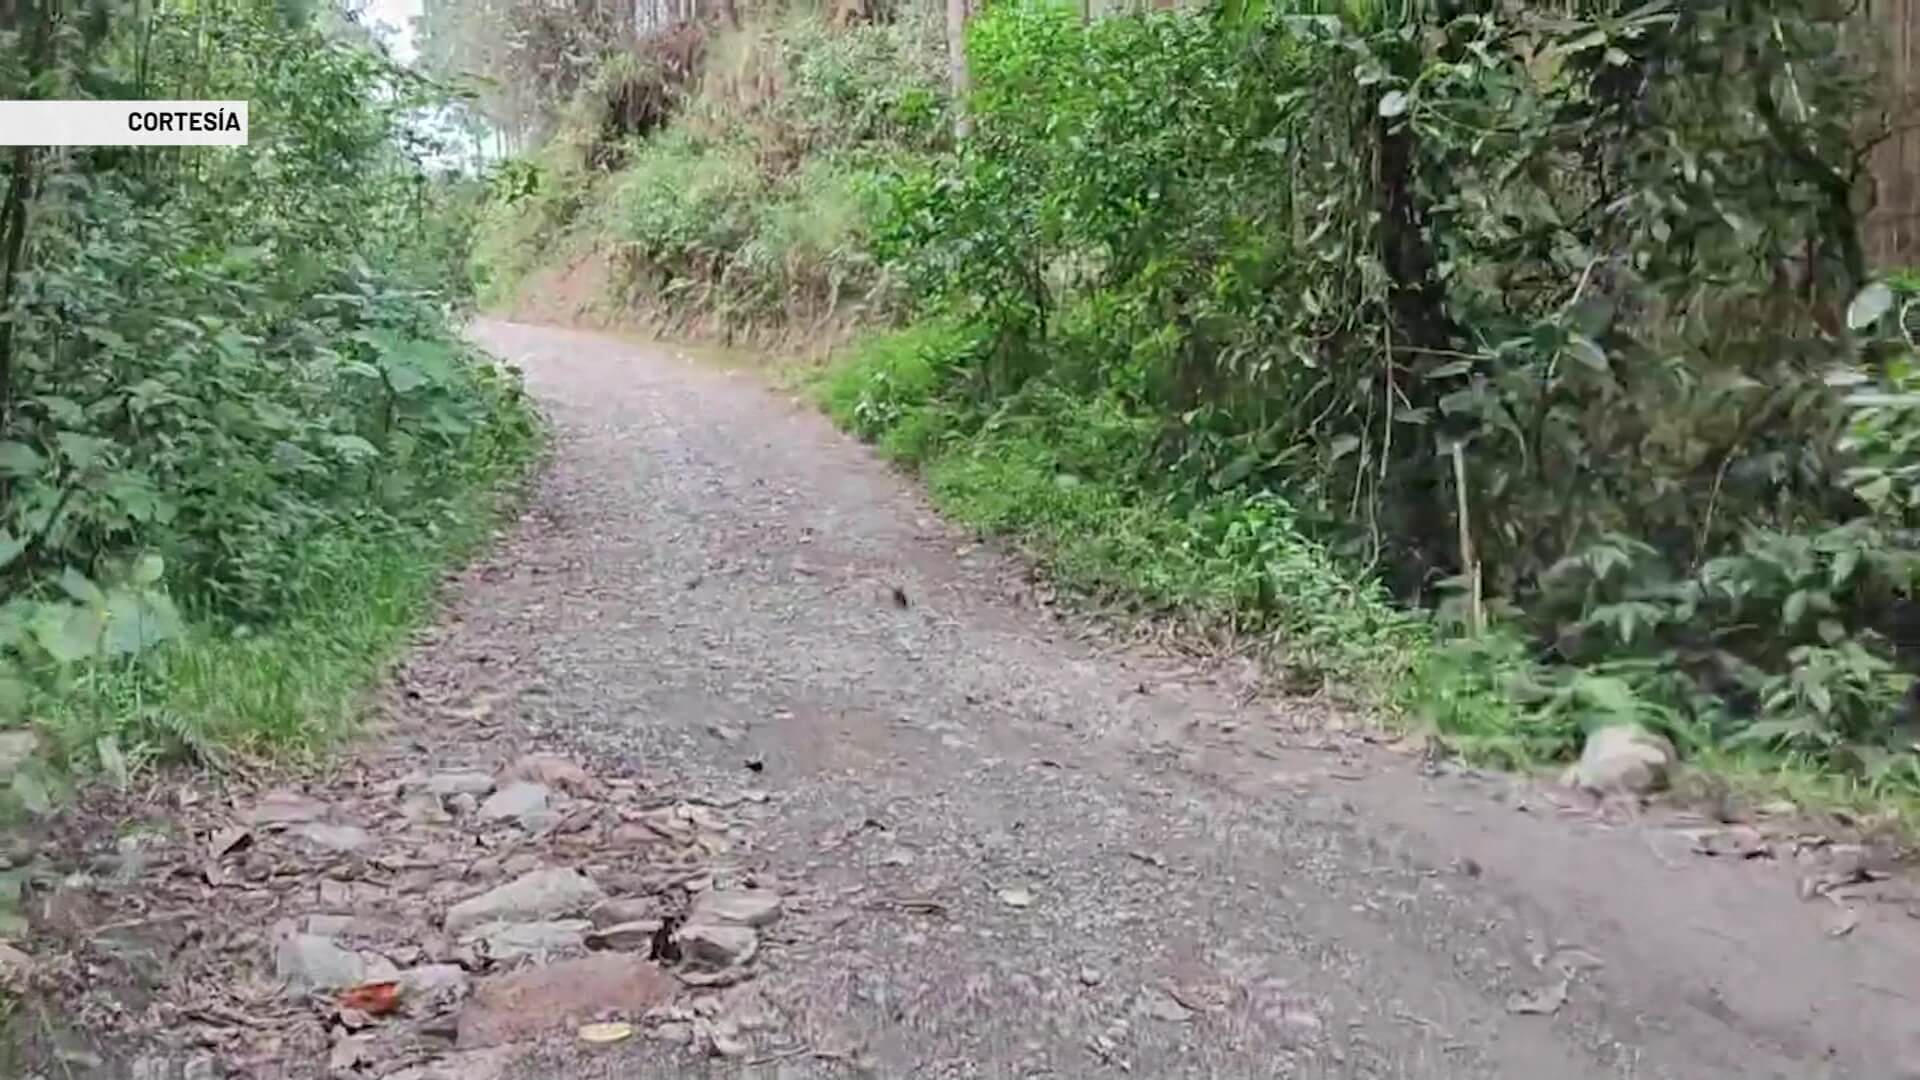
<point>1394,103</point>
<point>352,447</point>
<point>10,548</point>
<point>1821,697</point>
<point>81,451</point>
<point>76,585</point>
<point>1875,491</point>
<point>406,378</point>
<point>126,625</point>
<point>1844,564</point>
<point>1608,695</point>
<point>1795,608</point>
<point>147,569</point>
<point>135,495</point>
<point>1587,351</point>
<point>20,460</point>
<point>69,632</point>
<point>1867,307</point>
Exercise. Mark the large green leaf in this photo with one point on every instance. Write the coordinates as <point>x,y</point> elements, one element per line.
<point>19,460</point>
<point>70,632</point>
<point>136,622</point>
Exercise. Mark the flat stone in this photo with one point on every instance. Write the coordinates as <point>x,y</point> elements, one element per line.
<point>284,808</point>
<point>517,799</point>
<point>1622,757</point>
<point>329,925</point>
<point>717,944</point>
<point>560,996</point>
<point>313,962</point>
<point>451,783</point>
<point>435,981</point>
<point>623,909</point>
<point>16,748</point>
<point>510,941</point>
<point>628,936</point>
<point>377,968</point>
<point>738,907</point>
<point>678,1032</point>
<point>333,837</point>
<point>551,770</point>
<point>423,808</point>
<point>538,895</point>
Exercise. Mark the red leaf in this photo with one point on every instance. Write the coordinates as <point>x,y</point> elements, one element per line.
<point>374,998</point>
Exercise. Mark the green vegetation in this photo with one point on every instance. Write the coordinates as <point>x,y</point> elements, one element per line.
<point>1520,371</point>
<point>747,213</point>
<point>239,435</point>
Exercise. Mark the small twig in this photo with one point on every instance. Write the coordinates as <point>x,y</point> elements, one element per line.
<point>784,1055</point>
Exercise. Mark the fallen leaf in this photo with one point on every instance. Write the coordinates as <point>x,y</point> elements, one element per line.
<point>1844,922</point>
<point>606,1033</point>
<point>374,998</point>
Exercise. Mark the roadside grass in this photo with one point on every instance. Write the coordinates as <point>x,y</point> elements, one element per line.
<point>1067,478</point>
<point>295,687</point>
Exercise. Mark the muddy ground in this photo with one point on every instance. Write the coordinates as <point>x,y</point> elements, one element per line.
<point>730,759</point>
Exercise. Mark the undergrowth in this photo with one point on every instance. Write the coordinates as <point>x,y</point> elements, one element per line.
<point>747,213</point>
<point>239,432</point>
<point>1186,355</point>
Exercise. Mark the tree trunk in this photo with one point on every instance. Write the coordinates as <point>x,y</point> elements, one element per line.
<point>957,66</point>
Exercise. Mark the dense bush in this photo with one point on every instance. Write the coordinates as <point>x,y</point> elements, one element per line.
<point>1394,263</point>
<point>749,212</point>
<point>229,377</point>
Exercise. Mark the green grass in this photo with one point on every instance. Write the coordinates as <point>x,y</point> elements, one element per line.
<point>1071,479</point>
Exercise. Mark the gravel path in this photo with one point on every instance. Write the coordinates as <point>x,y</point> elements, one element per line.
<point>1008,852</point>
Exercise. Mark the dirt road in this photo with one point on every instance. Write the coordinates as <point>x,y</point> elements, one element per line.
<point>999,845</point>
<point>1132,872</point>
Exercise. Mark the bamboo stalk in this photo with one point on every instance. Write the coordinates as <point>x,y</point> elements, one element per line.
<point>1476,609</point>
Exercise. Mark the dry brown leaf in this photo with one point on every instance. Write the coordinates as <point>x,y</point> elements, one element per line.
<point>374,998</point>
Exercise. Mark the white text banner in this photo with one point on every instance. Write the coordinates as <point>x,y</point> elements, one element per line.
<point>123,123</point>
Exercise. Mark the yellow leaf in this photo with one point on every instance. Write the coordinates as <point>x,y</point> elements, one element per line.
<point>606,1033</point>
